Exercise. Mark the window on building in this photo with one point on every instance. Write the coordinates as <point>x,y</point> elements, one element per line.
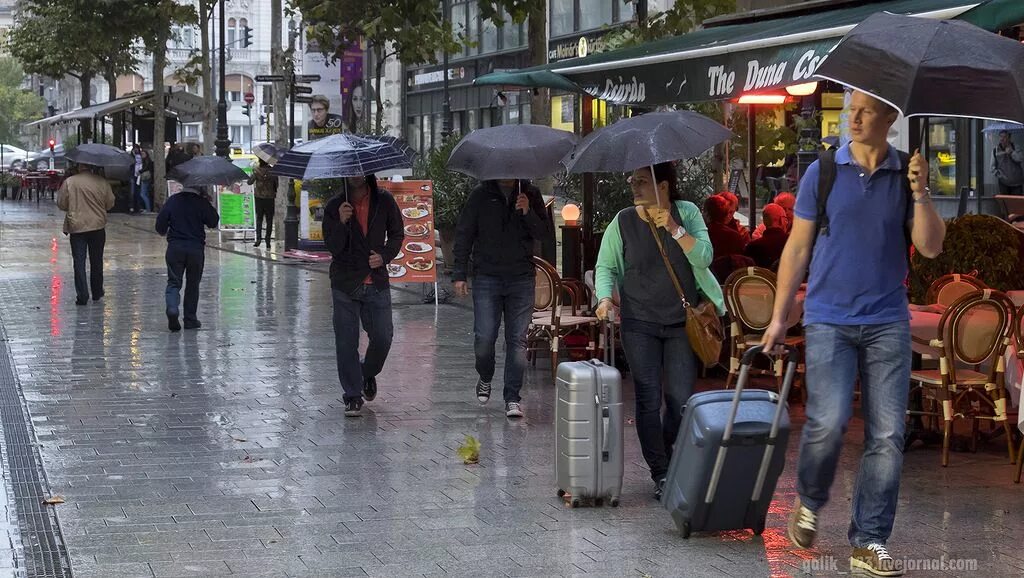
<point>510,37</point>
<point>232,32</point>
<point>562,18</point>
<point>458,16</point>
<point>242,25</point>
<point>627,11</point>
<point>595,14</point>
<point>240,135</point>
<point>488,36</point>
<point>472,26</point>
<point>236,85</point>
<point>191,131</point>
<point>415,135</point>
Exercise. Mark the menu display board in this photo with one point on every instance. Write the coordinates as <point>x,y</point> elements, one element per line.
<point>237,207</point>
<point>417,260</point>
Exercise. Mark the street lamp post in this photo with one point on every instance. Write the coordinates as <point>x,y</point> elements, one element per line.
<point>291,218</point>
<point>446,105</point>
<point>222,143</point>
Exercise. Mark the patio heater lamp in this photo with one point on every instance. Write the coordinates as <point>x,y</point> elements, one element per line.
<point>222,143</point>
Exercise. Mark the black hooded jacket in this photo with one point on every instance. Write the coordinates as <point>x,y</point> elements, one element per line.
<point>499,238</point>
<point>350,249</point>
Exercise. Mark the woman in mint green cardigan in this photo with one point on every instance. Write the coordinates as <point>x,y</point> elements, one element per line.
<point>653,320</point>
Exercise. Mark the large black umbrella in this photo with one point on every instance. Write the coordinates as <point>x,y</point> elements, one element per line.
<point>207,170</point>
<point>927,67</point>
<point>344,155</point>
<point>100,155</point>
<point>646,140</point>
<point>512,151</point>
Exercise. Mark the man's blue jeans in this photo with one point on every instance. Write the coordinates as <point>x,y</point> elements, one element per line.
<point>836,355</point>
<point>370,306</point>
<point>494,298</point>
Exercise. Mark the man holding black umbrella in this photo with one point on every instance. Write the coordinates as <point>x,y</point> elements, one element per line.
<point>86,197</point>
<point>498,226</point>
<point>856,320</point>
<point>363,230</point>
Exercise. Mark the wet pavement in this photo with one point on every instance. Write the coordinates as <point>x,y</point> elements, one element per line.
<point>224,451</point>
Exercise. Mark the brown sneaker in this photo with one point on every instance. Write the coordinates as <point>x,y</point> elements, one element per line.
<point>875,561</point>
<point>803,526</point>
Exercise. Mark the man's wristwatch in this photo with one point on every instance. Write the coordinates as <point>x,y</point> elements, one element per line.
<point>680,231</point>
<point>926,197</point>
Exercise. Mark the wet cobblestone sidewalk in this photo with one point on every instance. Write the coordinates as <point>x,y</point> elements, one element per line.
<point>225,452</point>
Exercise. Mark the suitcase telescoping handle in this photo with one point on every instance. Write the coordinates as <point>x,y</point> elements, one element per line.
<point>791,360</point>
<point>608,331</point>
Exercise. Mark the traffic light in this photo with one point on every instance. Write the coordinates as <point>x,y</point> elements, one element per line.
<point>247,109</point>
<point>263,120</point>
<point>52,143</point>
<point>247,38</point>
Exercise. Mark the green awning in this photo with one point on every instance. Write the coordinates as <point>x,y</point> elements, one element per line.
<point>723,62</point>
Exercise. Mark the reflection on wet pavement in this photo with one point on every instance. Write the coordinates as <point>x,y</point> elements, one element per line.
<point>225,450</point>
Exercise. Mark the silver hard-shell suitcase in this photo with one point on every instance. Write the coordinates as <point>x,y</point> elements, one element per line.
<point>588,430</point>
<point>729,454</point>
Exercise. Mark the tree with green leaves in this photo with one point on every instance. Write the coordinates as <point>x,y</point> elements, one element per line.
<point>535,14</point>
<point>156,19</point>
<point>83,39</point>
<point>684,16</point>
<point>17,106</point>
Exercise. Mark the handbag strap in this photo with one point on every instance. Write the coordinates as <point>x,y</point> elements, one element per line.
<point>668,264</point>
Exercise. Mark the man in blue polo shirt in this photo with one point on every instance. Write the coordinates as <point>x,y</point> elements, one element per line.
<point>857,324</point>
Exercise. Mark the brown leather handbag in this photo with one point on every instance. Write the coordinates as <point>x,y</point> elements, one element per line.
<point>703,326</point>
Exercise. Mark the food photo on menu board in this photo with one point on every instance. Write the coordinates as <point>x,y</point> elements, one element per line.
<point>416,262</point>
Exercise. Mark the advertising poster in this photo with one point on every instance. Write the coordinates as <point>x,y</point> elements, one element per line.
<point>311,220</point>
<point>417,260</point>
<point>237,207</point>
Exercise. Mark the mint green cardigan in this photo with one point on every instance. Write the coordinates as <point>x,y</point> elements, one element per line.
<point>611,267</point>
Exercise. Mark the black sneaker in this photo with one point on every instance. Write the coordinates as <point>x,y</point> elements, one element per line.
<point>257,243</point>
<point>172,322</point>
<point>192,324</point>
<point>81,301</point>
<point>370,388</point>
<point>354,407</point>
<point>659,489</point>
<point>483,391</point>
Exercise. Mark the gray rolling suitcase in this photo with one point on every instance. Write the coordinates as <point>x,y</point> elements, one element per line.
<point>588,430</point>
<point>729,454</point>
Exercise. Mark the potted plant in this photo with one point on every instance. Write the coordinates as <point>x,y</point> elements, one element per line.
<point>451,191</point>
<point>981,243</point>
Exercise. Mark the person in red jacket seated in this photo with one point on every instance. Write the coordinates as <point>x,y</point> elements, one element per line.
<point>734,205</point>
<point>725,239</point>
<point>767,250</point>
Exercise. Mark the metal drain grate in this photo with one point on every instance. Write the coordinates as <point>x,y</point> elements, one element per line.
<point>41,539</point>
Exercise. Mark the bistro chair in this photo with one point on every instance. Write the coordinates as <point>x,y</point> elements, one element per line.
<point>551,323</point>
<point>973,330</point>
<point>948,288</point>
<point>749,300</point>
<point>1018,338</point>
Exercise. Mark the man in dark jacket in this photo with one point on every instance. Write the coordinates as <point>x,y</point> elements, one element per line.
<point>498,227</point>
<point>182,220</point>
<point>363,230</point>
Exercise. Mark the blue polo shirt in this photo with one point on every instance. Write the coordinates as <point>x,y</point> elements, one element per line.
<point>857,270</point>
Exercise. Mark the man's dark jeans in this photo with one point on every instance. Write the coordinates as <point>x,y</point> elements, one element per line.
<point>184,264</point>
<point>90,243</point>
<point>494,298</point>
<point>656,359</point>
<point>371,306</point>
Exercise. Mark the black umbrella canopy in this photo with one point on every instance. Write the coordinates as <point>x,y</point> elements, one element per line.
<point>100,155</point>
<point>207,170</point>
<point>927,67</point>
<point>512,151</point>
<point>646,140</point>
<point>344,155</point>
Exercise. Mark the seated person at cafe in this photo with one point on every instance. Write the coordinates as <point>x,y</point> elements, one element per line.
<point>785,200</point>
<point>725,239</point>
<point>767,250</point>
<point>734,205</point>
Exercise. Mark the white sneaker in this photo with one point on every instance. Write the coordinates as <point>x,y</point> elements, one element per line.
<point>513,409</point>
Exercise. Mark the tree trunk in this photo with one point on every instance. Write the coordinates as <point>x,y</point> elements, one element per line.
<point>117,119</point>
<point>209,104</point>
<point>85,80</point>
<point>159,114</point>
<point>540,104</point>
<point>379,90</point>
<point>280,124</point>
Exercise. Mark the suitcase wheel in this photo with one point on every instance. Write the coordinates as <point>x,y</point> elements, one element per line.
<point>575,503</point>
<point>561,493</point>
<point>686,530</point>
<point>614,502</point>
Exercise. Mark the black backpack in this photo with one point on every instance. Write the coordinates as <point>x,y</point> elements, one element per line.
<point>827,178</point>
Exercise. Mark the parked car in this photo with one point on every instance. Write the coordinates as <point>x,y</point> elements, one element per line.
<point>13,157</point>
